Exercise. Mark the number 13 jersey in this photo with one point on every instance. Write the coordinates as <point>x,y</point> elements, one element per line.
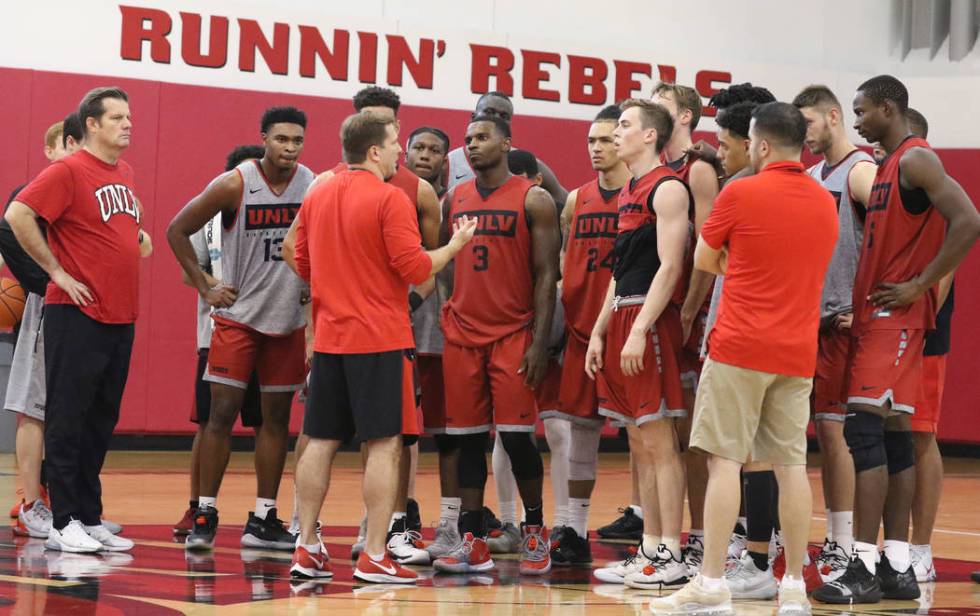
<point>493,286</point>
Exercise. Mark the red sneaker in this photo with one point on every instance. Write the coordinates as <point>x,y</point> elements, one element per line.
<point>309,565</point>
<point>811,575</point>
<point>186,524</point>
<point>470,555</point>
<point>15,510</point>
<point>384,571</point>
<point>535,550</point>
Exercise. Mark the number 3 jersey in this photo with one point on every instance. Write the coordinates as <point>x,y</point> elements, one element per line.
<point>589,257</point>
<point>493,286</point>
<point>251,254</point>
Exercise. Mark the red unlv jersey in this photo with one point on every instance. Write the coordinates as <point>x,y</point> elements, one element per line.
<point>903,232</point>
<point>589,257</point>
<point>493,292</point>
<point>682,167</point>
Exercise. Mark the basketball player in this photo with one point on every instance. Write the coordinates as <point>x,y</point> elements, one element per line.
<point>92,302</point>
<point>498,105</point>
<point>425,156</point>
<point>361,378</point>
<point>496,324</point>
<point>258,318</point>
<point>251,411</point>
<point>588,225</point>
<point>920,224</point>
<point>848,173</point>
<point>630,350</point>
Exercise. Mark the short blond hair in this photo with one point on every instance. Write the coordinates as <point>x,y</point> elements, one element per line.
<point>53,135</point>
<point>686,97</point>
<point>652,115</point>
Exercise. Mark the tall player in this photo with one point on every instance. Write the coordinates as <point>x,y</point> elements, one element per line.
<point>258,318</point>
<point>588,224</point>
<point>920,224</point>
<point>630,349</point>
<point>848,173</point>
<point>496,324</point>
<point>425,156</point>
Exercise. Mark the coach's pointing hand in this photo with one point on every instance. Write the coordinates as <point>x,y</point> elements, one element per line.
<point>464,228</point>
<point>221,295</point>
<point>77,291</point>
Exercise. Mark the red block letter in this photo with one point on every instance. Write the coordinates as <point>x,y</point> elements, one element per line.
<point>399,54</point>
<point>533,75</point>
<point>704,84</point>
<point>135,31</point>
<point>190,41</point>
<point>578,79</point>
<point>311,46</point>
<point>367,70</point>
<point>482,69</point>
<point>252,39</point>
<point>625,84</point>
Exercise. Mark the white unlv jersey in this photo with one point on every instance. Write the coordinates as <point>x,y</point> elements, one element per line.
<point>249,256</point>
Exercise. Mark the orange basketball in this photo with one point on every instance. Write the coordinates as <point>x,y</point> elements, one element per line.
<point>12,300</point>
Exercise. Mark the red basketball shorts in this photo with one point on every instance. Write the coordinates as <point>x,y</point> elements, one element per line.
<point>926,417</point>
<point>885,367</point>
<point>433,393</point>
<point>577,400</point>
<point>237,351</point>
<point>546,394</point>
<point>830,380</point>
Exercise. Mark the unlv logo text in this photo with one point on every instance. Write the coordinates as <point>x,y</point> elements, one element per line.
<point>493,222</point>
<point>879,196</point>
<point>116,199</point>
<point>272,216</point>
<point>601,224</point>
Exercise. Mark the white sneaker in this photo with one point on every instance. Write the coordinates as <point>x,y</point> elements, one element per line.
<point>693,554</point>
<point>406,548</point>
<point>72,538</point>
<point>447,538</point>
<point>736,545</point>
<point>922,564</point>
<point>616,572</point>
<point>745,581</point>
<point>34,521</point>
<point>694,599</point>
<point>509,540</point>
<point>792,600</point>
<point>112,527</point>
<point>110,542</point>
<point>832,561</point>
<point>663,571</point>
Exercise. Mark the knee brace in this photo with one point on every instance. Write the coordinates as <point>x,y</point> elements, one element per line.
<point>472,467</point>
<point>446,443</point>
<point>900,451</point>
<point>865,436</point>
<point>525,460</point>
<point>583,454</point>
<point>409,439</point>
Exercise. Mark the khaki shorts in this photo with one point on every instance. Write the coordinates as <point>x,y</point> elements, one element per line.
<point>739,412</point>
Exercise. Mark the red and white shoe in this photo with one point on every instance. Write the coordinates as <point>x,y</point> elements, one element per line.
<point>535,550</point>
<point>384,571</point>
<point>470,555</point>
<point>311,565</point>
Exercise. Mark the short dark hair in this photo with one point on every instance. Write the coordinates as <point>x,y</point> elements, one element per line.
<point>609,113</point>
<point>242,153</point>
<point>886,88</point>
<point>502,126</point>
<point>781,123</point>
<point>737,118</point>
<point>816,96</point>
<point>282,115</point>
<point>375,96</point>
<point>686,97</point>
<point>360,131</point>
<point>421,130</point>
<point>493,93</point>
<point>917,123</point>
<point>93,105</point>
<point>72,127</point>
<point>652,115</point>
<point>740,93</point>
<point>522,162</point>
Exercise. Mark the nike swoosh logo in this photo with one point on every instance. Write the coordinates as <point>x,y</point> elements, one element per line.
<point>458,176</point>
<point>587,201</point>
<point>252,192</point>
<point>389,570</point>
<point>867,387</point>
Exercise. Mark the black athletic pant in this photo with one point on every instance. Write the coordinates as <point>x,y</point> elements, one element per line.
<point>86,363</point>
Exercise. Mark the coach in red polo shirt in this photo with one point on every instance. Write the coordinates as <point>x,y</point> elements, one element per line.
<point>772,236</point>
<point>92,255</point>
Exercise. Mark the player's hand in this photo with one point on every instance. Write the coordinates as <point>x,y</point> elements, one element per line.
<point>221,295</point>
<point>687,323</point>
<point>844,321</point>
<point>77,291</point>
<point>703,150</point>
<point>534,366</point>
<point>593,356</point>
<point>897,294</point>
<point>631,357</point>
<point>464,228</point>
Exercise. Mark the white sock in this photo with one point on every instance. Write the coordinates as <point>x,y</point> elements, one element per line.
<point>377,557</point>
<point>637,511</point>
<point>263,505</point>
<point>696,533</point>
<point>791,581</point>
<point>558,433</point>
<point>207,501</point>
<point>843,523</point>
<point>449,508</point>
<point>312,548</point>
<point>897,553</point>
<point>578,515</point>
<point>674,545</point>
<point>394,518</point>
<point>868,553</point>
<point>712,584</point>
<point>651,543</point>
<point>830,525</point>
<point>504,482</point>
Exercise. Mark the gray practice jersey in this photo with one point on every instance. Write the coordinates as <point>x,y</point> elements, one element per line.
<point>251,254</point>
<point>838,284</point>
<point>207,249</point>
<point>459,168</point>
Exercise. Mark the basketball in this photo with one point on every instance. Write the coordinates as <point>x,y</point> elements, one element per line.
<point>12,296</point>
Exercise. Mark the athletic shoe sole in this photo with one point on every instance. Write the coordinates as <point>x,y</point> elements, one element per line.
<point>930,576</point>
<point>536,571</point>
<point>251,541</point>
<point>26,531</point>
<point>381,578</point>
<point>62,547</point>
<point>463,567</point>
<point>181,532</point>
<point>656,585</point>
<point>199,545</point>
<point>849,600</point>
<point>696,608</point>
<point>607,577</point>
<point>309,573</point>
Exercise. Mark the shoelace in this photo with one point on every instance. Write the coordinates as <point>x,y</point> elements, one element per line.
<point>409,537</point>
<point>535,548</point>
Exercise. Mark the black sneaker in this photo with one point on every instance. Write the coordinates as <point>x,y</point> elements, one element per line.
<point>857,585</point>
<point>895,585</point>
<point>571,550</point>
<point>413,516</point>
<point>492,523</point>
<point>205,528</point>
<point>555,532</point>
<point>269,533</point>
<point>627,526</point>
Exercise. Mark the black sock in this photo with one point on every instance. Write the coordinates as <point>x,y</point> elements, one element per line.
<point>193,503</point>
<point>761,560</point>
<point>760,493</point>
<point>534,516</point>
<point>473,522</point>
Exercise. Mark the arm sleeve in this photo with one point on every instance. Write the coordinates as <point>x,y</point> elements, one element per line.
<point>49,194</point>
<point>400,230</point>
<point>718,227</point>
<point>302,249</point>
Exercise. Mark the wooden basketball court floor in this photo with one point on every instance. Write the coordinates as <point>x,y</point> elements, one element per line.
<point>147,493</point>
